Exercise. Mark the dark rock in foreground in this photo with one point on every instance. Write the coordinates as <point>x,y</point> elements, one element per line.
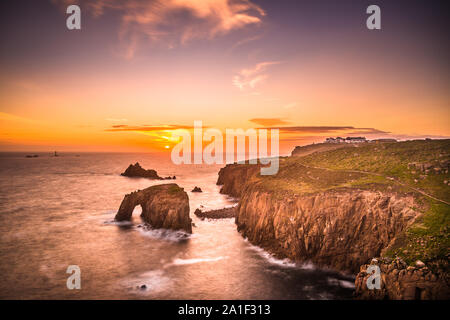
<point>399,281</point>
<point>196,189</point>
<point>216,214</point>
<point>135,170</point>
<point>163,206</point>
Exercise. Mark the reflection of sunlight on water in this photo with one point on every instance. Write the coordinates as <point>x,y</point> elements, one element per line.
<point>198,260</point>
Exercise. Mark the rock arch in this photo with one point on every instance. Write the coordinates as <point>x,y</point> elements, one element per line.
<point>163,206</point>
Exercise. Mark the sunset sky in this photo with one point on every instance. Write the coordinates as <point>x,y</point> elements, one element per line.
<point>141,68</point>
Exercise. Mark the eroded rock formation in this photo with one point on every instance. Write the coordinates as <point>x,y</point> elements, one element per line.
<point>340,229</point>
<point>224,213</point>
<point>398,281</point>
<point>163,206</point>
<point>135,170</point>
<point>234,178</point>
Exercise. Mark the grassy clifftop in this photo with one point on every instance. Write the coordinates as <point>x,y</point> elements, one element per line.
<point>422,164</point>
<point>419,167</point>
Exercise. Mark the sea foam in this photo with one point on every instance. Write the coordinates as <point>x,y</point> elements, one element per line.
<point>195,260</point>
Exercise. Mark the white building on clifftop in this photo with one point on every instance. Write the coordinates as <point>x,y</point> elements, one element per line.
<point>346,140</point>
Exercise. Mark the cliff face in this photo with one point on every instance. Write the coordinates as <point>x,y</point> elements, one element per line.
<point>340,207</point>
<point>341,229</point>
<point>163,206</point>
<point>234,177</point>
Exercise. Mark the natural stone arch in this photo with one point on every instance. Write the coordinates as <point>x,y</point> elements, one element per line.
<point>163,206</point>
<point>129,203</point>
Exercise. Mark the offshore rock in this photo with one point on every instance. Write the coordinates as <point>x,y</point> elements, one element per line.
<point>224,213</point>
<point>135,170</point>
<point>163,206</point>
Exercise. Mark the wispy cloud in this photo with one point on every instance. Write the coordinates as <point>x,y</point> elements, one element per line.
<point>348,130</point>
<point>13,118</point>
<point>369,131</point>
<point>290,105</point>
<point>249,78</point>
<point>310,134</point>
<point>260,67</point>
<point>159,134</point>
<point>147,128</point>
<point>176,22</point>
<point>116,120</point>
<point>312,129</point>
<point>269,122</point>
<point>245,41</point>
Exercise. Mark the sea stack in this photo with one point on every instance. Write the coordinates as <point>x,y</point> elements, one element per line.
<point>135,170</point>
<point>163,206</point>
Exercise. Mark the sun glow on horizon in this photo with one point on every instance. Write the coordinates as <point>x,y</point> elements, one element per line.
<point>231,64</point>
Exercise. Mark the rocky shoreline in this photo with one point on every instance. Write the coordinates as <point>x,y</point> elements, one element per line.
<point>338,219</point>
<point>327,228</point>
<point>224,213</point>
<point>340,228</point>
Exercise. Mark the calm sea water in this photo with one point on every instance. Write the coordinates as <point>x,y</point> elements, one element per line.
<point>58,211</point>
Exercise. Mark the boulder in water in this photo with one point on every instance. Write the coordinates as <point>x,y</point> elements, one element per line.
<point>224,213</point>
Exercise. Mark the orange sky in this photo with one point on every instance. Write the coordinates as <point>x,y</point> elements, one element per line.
<point>225,65</point>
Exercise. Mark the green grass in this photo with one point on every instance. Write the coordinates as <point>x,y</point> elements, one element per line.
<point>427,239</point>
<point>174,189</point>
<point>391,160</point>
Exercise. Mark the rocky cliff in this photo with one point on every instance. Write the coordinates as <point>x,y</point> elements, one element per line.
<point>234,177</point>
<point>340,229</point>
<point>163,206</point>
<point>341,208</point>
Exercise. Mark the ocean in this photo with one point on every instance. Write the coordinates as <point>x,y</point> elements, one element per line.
<point>59,211</point>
